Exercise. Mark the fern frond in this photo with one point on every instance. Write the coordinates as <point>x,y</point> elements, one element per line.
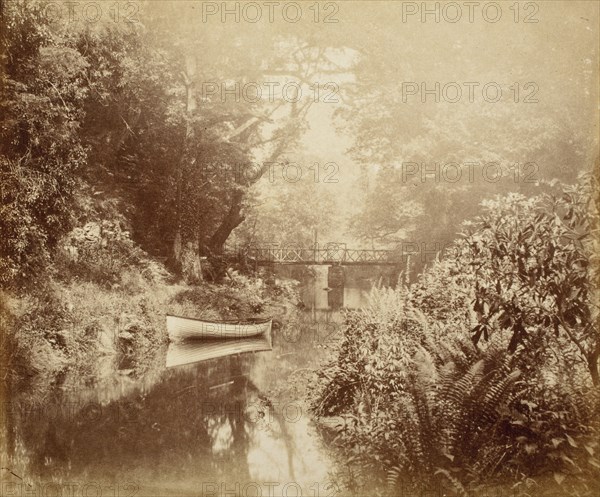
<point>495,395</point>
<point>463,387</point>
<point>458,486</point>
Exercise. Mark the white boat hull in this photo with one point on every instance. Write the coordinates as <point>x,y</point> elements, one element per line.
<point>180,328</point>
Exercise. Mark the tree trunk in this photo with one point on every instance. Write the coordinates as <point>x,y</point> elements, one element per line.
<point>186,254</point>
<point>232,220</point>
<point>191,268</point>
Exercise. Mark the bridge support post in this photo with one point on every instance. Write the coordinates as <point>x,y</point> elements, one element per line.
<point>336,278</point>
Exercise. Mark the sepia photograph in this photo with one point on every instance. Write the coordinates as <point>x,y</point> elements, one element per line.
<point>301,248</point>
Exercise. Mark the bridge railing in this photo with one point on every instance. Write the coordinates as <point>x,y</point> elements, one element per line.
<point>317,255</point>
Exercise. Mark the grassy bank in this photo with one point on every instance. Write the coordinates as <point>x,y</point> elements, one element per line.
<point>104,296</point>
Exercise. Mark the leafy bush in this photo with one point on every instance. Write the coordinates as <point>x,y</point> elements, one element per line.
<point>242,298</point>
<point>30,336</point>
<point>536,267</point>
<point>442,386</point>
<point>103,252</point>
<point>42,92</point>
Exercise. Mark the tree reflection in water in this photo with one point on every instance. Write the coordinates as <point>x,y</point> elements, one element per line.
<point>197,424</point>
<point>234,419</point>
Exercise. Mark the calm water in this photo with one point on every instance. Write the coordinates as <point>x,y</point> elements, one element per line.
<point>236,425</point>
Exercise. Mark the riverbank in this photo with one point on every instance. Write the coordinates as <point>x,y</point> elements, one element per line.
<point>78,424</point>
<point>70,320</point>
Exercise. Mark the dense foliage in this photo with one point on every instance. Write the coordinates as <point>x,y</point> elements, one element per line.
<point>42,95</point>
<point>441,384</point>
<point>112,122</point>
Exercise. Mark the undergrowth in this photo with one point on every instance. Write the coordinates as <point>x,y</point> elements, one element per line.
<point>483,373</point>
<point>104,296</point>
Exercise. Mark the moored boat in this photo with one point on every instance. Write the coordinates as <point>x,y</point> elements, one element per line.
<point>182,328</point>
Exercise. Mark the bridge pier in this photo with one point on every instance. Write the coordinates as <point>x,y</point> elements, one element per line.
<point>336,278</point>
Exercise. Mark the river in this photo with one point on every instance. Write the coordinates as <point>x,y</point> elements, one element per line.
<point>235,425</point>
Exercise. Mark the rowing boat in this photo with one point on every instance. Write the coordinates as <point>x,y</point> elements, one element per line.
<point>181,328</point>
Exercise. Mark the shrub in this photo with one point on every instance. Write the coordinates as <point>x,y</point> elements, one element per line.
<point>41,101</point>
<point>102,252</point>
<point>483,370</point>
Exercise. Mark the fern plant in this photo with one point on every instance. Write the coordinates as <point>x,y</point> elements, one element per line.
<point>446,414</point>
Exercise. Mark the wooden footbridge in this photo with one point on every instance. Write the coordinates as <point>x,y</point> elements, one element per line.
<point>330,255</point>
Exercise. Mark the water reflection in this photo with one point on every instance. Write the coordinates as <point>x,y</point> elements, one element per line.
<point>327,289</point>
<point>191,351</point>
<point>225,420</point>
<point>206,422</point>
